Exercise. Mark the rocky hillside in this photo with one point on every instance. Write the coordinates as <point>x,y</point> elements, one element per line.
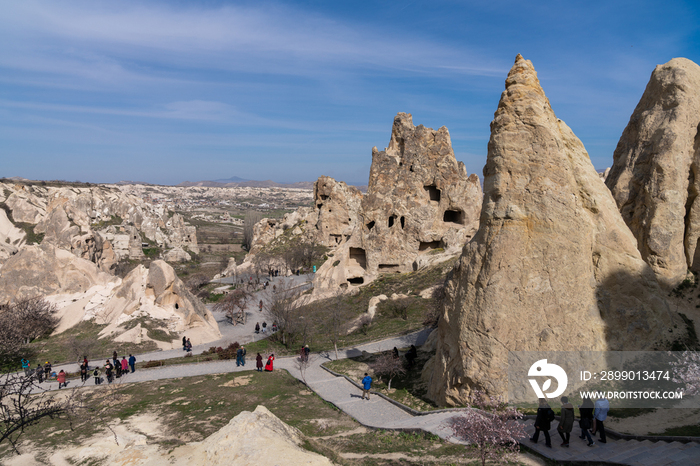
<point>62,243</point>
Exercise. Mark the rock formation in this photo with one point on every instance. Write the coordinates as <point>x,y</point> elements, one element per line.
<point>41,270</point>
<point>419,201</point>
<point>654,178</point>
<point>254,439</point>
<point>11,237</point>
<point>338,209</point>
<point>159,294</point>
<point>100,224</point>
<point>553,265</point>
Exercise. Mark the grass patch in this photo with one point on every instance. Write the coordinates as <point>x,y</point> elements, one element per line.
<point>682,431</point>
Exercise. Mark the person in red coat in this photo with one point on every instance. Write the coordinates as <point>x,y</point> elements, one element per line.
<point>268,366</point>
<point>61,379</point>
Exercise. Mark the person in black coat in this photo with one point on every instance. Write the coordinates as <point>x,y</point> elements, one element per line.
<point>543,423</point>
<point>586,422</point>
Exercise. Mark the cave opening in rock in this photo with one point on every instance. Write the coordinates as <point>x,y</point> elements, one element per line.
<point>392,219</point>
<point>370,225</point>
<point>388,268</point>
<point>335,239</point>
<point>429,245</point>
<point>433,192</point>
<point>403,222</point>
<point>359,256</point>
<point>453,216</point>
<point>176,306</point>
<point>323,197</point>
<point>356,280</point>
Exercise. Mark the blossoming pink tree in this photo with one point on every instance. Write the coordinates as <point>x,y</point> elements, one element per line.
<point>490,427</point>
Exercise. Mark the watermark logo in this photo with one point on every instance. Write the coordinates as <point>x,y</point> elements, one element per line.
<point>542,369</point>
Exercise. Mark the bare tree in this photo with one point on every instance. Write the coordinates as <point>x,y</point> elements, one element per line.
<point>23,403</point>
<point>284,304</point>
<point>23,321</point>
<point>196,282</point>
<point>387,365</point>
<point>337,320</point>
<point>435,306</point>
<point>233,305</point>
<point>251,218</point>
<point>492,429</point>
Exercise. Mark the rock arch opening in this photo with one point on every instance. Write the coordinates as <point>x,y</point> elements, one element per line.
<point>453,216</point>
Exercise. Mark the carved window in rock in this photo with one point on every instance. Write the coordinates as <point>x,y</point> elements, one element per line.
<point>403,222</point>
<point>335,239</point>
<point>433,193</point>
<point>429,245</point>
<point>389,268</point>
<point>392,220</point>
<point>358,257</point>
<point>356,280</point>
<point>370,225</point>
<point>453,216</point>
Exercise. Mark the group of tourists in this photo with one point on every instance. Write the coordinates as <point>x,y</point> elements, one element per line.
<point>186,344</point>
<point>263,328</point>
<point>114,368</point>
<point>41,372</point>
<point>592,419</point>
<point>268,365</point>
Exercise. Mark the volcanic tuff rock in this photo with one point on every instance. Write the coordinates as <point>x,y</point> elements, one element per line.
<point>100,224</point>
<point>553,265</point>
<point>159,294</point>
<point>338,207</point>
<point>40,270</point>
<point>419,201</point>
<point>655,174</point>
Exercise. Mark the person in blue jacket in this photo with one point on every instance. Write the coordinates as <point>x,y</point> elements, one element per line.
<point>366,386</point>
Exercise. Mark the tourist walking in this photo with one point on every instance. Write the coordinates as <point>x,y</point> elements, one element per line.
<point>115,358</point>
<point>25,366</point>
<point>366,386</point>
<point>257,327</point>
<point>85,362</point>
<point>47,370</point>
<point>132,362</point>
<point>83,372</point>
<point>264,326</point>
<point>125,365</point>
<point>108,371</point>
<point>586,422</point>
<point>39,372</point>
<point>239,356</point>
<point>188,346</point>
<point>600,414</point>
<point>258,362</point>
<point>268,365</point>
<point>184,343</point>
<point>97,373</point>
<point>566,423</point>
<point>543,423</point>
<point>61,377</point>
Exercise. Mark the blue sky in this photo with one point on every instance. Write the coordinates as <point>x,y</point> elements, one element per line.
<point>171,91</point>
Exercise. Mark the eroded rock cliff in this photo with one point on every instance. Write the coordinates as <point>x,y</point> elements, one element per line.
<point>655,176</point>
<point>553,265</point>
